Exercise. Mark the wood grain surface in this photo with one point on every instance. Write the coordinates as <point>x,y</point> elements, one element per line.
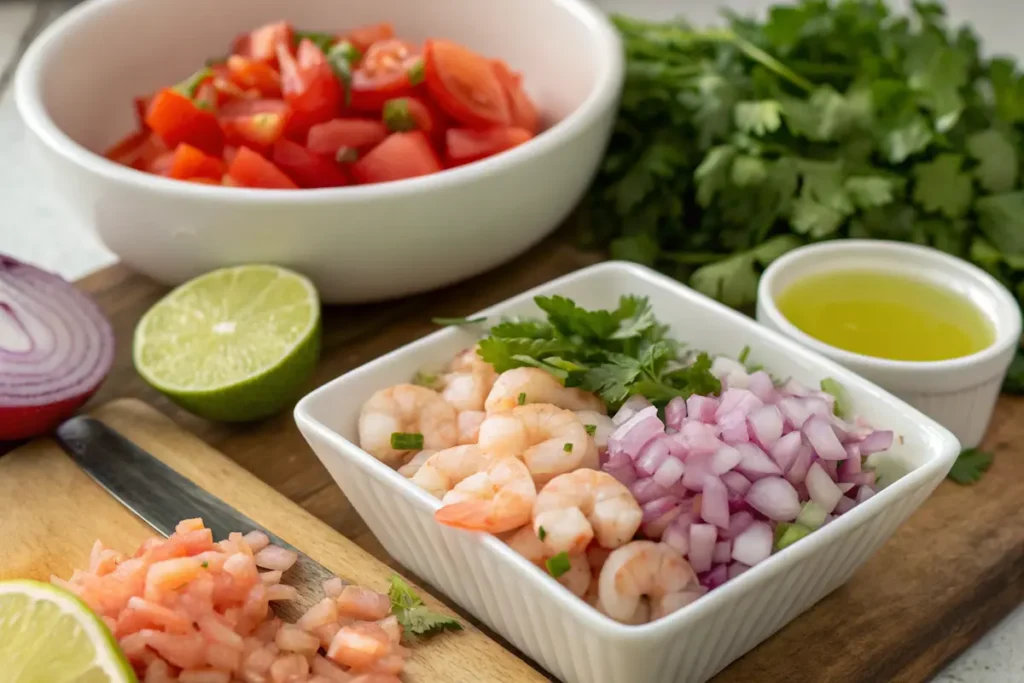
<point>53,512</point>
<point>950,573</point>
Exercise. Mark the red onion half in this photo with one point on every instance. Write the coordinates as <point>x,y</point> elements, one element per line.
<point>56,346</point>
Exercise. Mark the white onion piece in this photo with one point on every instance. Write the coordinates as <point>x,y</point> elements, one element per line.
<point>723,366</point>
<point>823,440</point>
<point>775,498</point>
<point>756,463</point>
<point>702,546</point>
<point>631,407</point>
<point>753,545</point>
<point>714,506</point>
<point>725,459</point>
<point>822,489</point>
<point>766,425</point>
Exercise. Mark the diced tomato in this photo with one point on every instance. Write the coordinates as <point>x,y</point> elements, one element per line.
<point>249,107</point>
<point>252,170</point>
<point>310,88</point>
<point>176,119</point>
<point>207,98</point>
<point>229,154</point>
<point>190,162</point>
<point>358,134</point>
<point>256,123</point>
<point>521,109</point>
<point>203,181</point>
<point>465,85</point>
<point>263,43</point>
<point>305,168</point>
<point>141,107</point>
<point>250,74</point>
<point>401,155</point>
<point>365,36</point>
<point>408,113</point>
<point>383,74</point>
<point>161,165</point>
<point>463,145</point>
<point>138,150</point>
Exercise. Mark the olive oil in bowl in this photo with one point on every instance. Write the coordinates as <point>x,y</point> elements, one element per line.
<point>886,315</point>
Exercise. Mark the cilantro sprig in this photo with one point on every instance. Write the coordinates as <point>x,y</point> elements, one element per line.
<point>970,466</point>
<point>417,620</point>
<point>824,119</point>
<point>614,353</point>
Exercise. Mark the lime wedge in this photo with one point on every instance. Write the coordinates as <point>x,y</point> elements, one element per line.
<point>236,344</point>
<point>47,635</point>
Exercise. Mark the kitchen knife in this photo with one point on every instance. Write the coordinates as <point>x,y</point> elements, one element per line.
<point>161,497</point>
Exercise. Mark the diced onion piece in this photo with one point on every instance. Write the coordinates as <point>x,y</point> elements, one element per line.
<point>675,412</point>
<point>279,559</point>
<point>724,459</point>
<point>755,463</point>
<point>701,408</point>
<point>723,552</point>
<point>669,472</point>
<point>876,442</point>
<point>702,546</point>
<point>738,522</point>
<point>633,434</point>
<point>822,489</point>
<point>714,507</point>
<point>785,450</point>
<point>737,484</point>
<point>823,439</point>
<point>766,424</point>
<point>775,498</point>
<point>798,472</point>
<point>753,545</point>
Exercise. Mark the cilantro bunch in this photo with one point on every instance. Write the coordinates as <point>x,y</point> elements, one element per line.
<point>826,120</point>
<point>614,354</point>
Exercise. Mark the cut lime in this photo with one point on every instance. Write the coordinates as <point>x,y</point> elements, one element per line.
<point>47,635</point>
<point>235,344</point>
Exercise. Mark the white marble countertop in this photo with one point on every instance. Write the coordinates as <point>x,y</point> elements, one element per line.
<point>35,227</point>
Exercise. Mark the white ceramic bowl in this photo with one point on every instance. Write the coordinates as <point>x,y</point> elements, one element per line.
<point>75,85</point>
<point>960,393</point>
<point>521,602</point>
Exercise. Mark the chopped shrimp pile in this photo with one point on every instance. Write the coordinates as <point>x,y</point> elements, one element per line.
<point>518,455</point>
<point>190,610</point>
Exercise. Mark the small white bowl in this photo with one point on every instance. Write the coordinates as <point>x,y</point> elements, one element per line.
<point>564,634</point>
<point>959,393</point>
<point>75,85</point>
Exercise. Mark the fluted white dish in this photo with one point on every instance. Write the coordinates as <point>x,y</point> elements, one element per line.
<point>529,608</point>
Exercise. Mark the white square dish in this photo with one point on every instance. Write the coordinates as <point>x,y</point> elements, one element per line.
<point>561,632</point>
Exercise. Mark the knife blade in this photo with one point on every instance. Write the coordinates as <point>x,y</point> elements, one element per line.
<point>161,497</point>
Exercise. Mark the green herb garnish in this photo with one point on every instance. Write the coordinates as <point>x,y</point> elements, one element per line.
<point>567,448</point>
<point>541,534</point>
<point>448,322</point>
<point>426,379</point>
<point>613,353</point>
<point>970,465</point>
<point>397,116</point>
<point>339,57</point>
<point>558,564</point>
<point>842,406</point>
<point>522,398</point>
<point>205,565</point>
<point>788,534</point>
<point>743,355</point>
<point>321,40</point>
<point>417,72</point>
<point>403,441</point>
<point>189,86</point>
<point>591,429</point>
<point>417,619</point>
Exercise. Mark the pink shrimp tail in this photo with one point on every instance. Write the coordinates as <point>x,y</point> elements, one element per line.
<point>474,515</point>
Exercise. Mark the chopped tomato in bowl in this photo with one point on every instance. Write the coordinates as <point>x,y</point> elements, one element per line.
<point>293,109</point>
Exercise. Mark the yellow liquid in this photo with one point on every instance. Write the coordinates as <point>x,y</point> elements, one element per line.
<point>886,316</point>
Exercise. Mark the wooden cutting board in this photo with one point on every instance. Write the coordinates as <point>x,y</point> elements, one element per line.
<point>51,512</point>
<point>947,576</point>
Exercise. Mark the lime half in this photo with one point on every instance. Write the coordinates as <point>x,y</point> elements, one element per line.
<point>235,344</point>
<point>47,635</point>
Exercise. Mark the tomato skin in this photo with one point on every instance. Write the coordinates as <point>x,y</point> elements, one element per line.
<point>360,134</point>
<point>522,111</point>
<point>255,123</point>
<point>137,150</point>
<point>250,169</point>
<point>365,36</point>
<point>176,119</point>
<point>465,145</point>
<point>190,162</point>
<point>305,168</point>
<point>264,42</point>
<point>203,181</point>
<point>250,74</point>
<point>400,156</point>
<point>464,85</point>
<point>383,75</point>
<point>409,113</point>
<point>310,88</point>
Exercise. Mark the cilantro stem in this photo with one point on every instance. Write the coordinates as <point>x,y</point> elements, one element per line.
<point>691,258</point>
<point>769,62</point>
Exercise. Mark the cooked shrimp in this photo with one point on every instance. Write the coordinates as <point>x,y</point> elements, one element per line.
<point>592,597</point>
<point>412,467</point>
<point>498,499</point>
<point>551,441</point>
<point>405,408</point>
<point>645,568</point>
<point>599,427</point>
<point>443,470</point>
<point>469,422</point>
<point>575,508</point>
<point>468,382</point>
<point>577,579</point>
<point>533,385</point>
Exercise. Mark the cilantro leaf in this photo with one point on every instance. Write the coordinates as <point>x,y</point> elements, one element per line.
<point>758,118</point>
<point>868,192</point>
<point>941,186</point>
<point>998,164</point>
<point>733,281</point>
<point>1001,219</point>
<point>417,619</point>
<point>970,465</point>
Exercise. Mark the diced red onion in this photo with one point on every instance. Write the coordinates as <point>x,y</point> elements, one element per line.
<point>735,569</point>
<point>822,489</point>
<point>734,428</point>
<point>830,466</point>
<point>675,412</point>
<point>701,408</point>
<point>725,458</point>
<point>723,366</point>
<point>775,498</point>
<point>700,438</point>
<point>631,407</point>
<point>850,467</point>
<point>645,490</point>
<point>865,478</point>
<point>677,447</point>
<point>755,463</point>
<point>56,346</point>
<point>723,552</point>
<point>737,484</point>
<point>823,440</point>
<point>852,451</point>
<point>753,545</point>
<point>863,493</point>
<point>798,472</point>
<point>702,546</point>
<point>655,528</point>
<point>678,537</point>
<point>761,385</point>
<point>845,505</point>
<point>714,506</point>
<point>716,577</point>
<point>669,472</point>
<point>766,425</point>
<point>794,411</point>
<point>738,523</point>
<point>846,486</point>
<point>658,507</point>
<point>650,457</point>
<point>698,468</point>
<point>785,450</point>
<point>876,442</point>
<point>742,401</point>
<point>794,388</point>
<point>634,433</point>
